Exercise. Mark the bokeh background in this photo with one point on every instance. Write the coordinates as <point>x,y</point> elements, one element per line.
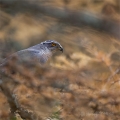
<point>79,84</point>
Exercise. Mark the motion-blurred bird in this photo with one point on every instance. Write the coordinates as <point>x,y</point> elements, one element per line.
<point>40,52</point>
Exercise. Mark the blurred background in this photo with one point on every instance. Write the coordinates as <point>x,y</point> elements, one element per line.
<point>76,85</point>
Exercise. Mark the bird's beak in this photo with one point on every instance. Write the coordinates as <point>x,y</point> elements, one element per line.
<point>61,49</point>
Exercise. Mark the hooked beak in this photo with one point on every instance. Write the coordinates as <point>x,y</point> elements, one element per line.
<point>61,49</point>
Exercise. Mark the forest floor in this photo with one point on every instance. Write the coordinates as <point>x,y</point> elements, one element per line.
<point>75,85</point>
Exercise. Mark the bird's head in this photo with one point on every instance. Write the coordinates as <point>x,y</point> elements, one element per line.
<point>52,45</point>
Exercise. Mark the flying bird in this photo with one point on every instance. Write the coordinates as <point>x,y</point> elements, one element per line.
<point>40,52</point>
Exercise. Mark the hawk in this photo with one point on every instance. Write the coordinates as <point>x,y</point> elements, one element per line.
<point>40,52</point>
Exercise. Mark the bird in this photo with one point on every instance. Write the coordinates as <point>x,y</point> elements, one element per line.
<point>37,53</point>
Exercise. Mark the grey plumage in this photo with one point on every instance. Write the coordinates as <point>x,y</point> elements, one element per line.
<point>40,52</point>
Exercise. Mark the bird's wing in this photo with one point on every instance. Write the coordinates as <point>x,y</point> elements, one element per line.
<point>30,55</point>
<point>34,55</point>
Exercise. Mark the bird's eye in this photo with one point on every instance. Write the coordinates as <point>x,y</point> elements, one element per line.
<point>53,44</point>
